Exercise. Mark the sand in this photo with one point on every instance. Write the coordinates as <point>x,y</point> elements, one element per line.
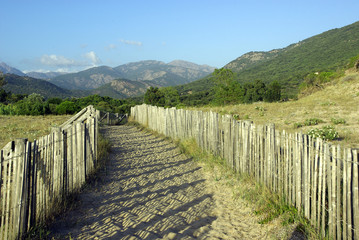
<point>151,191</point>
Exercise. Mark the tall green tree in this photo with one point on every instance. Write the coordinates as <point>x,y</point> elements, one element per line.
<point>171,96</point>
<point>154,96</point>
<point>226,90</point>
<point>254,92</point>
<point>2,79</point>
<point>273,92</point>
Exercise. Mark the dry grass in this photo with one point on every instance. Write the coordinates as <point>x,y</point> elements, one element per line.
<point>339,100</point>
<point>30,127</point>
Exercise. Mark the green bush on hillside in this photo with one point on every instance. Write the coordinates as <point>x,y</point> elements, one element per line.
<point>325,133</point>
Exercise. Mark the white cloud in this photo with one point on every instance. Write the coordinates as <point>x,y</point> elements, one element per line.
<point>58,63</point>
<point>54,60</point>
<point>95,60</point>
<point>110,47</point>
<point>130,42</point>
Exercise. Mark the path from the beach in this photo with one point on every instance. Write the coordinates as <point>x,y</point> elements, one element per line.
<point>151,191</point>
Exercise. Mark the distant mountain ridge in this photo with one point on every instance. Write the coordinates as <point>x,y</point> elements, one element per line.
<point>4,68</point>
<point>118,88</point>
<point>44,75</point>
<point>88,79</point>
<point>161,74</point>
<point>123,88</point>
<point>104,80</point>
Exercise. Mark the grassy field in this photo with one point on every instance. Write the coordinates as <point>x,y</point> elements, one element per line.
<point>30,127</point>
<point>336,104</point>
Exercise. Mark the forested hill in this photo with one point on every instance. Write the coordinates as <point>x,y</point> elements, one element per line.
<point>27,85</point>
<point>324,52</point>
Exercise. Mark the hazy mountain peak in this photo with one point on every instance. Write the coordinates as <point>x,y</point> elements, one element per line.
<point>190,65</point>
<point>44,75</point>
<point>4,68</point>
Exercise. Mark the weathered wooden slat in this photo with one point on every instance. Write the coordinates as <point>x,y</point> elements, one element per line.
<point>298,172</point>
<point>325,185</point>
<point>315,189</point>
<point>333,187</point>
<point>339,218</point>
<point>7,155</point>
<point>355,194</point>
<point>306,178</point>
<point>345,189</point>
<point>320,184</point>
<point>25,191</point>
<point>20,152</point>
<point>33,174</point>
<point>349,161</point>
<point>286,167</point>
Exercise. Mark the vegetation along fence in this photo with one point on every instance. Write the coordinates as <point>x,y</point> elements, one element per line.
<point>37,176</point>
<point>319,179</point>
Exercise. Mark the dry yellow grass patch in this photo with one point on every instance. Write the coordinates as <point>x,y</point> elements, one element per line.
<point>338,99</point>
<point>30,127</point>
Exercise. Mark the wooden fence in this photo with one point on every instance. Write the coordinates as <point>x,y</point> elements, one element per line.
<point>112,118</point>
<point>37,176</point>
<point>319,179</point>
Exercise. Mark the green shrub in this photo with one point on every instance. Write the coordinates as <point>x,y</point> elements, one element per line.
<point>325,133</point>
<point>337,121</point>
<point>66,107</point>
<point>297,125</point>
<point>259,108</point>
<point>312,121</point>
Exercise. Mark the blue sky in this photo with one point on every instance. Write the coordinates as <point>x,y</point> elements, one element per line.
<point>72,35</point>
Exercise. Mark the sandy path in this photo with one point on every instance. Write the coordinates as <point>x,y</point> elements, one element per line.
<point>151,191</point>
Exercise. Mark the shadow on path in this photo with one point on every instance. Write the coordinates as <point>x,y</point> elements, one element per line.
<point>150,191</point>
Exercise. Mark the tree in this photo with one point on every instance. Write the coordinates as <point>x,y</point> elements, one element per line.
<point>226,90</point>
<point>2,80</point>
<point>66,107</point>
<point>254,92</point>
<point>154,96</point>
<point>171,96</point>
<point>273,92</point>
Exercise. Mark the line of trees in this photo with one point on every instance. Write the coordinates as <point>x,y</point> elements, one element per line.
<point>227,90</point>
<point>36,104</point>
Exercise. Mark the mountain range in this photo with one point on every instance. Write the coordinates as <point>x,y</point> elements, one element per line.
<point>124,81</point>
<point>159,73</point>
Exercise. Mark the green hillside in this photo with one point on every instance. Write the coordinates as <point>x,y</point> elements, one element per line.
<point>27,85</point>
<point>328,51</point>
<point>324,52</point>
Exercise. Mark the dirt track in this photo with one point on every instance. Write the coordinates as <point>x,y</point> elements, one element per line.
<point>152,191</point>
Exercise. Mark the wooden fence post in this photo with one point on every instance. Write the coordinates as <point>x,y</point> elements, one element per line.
<point>356,193</point>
